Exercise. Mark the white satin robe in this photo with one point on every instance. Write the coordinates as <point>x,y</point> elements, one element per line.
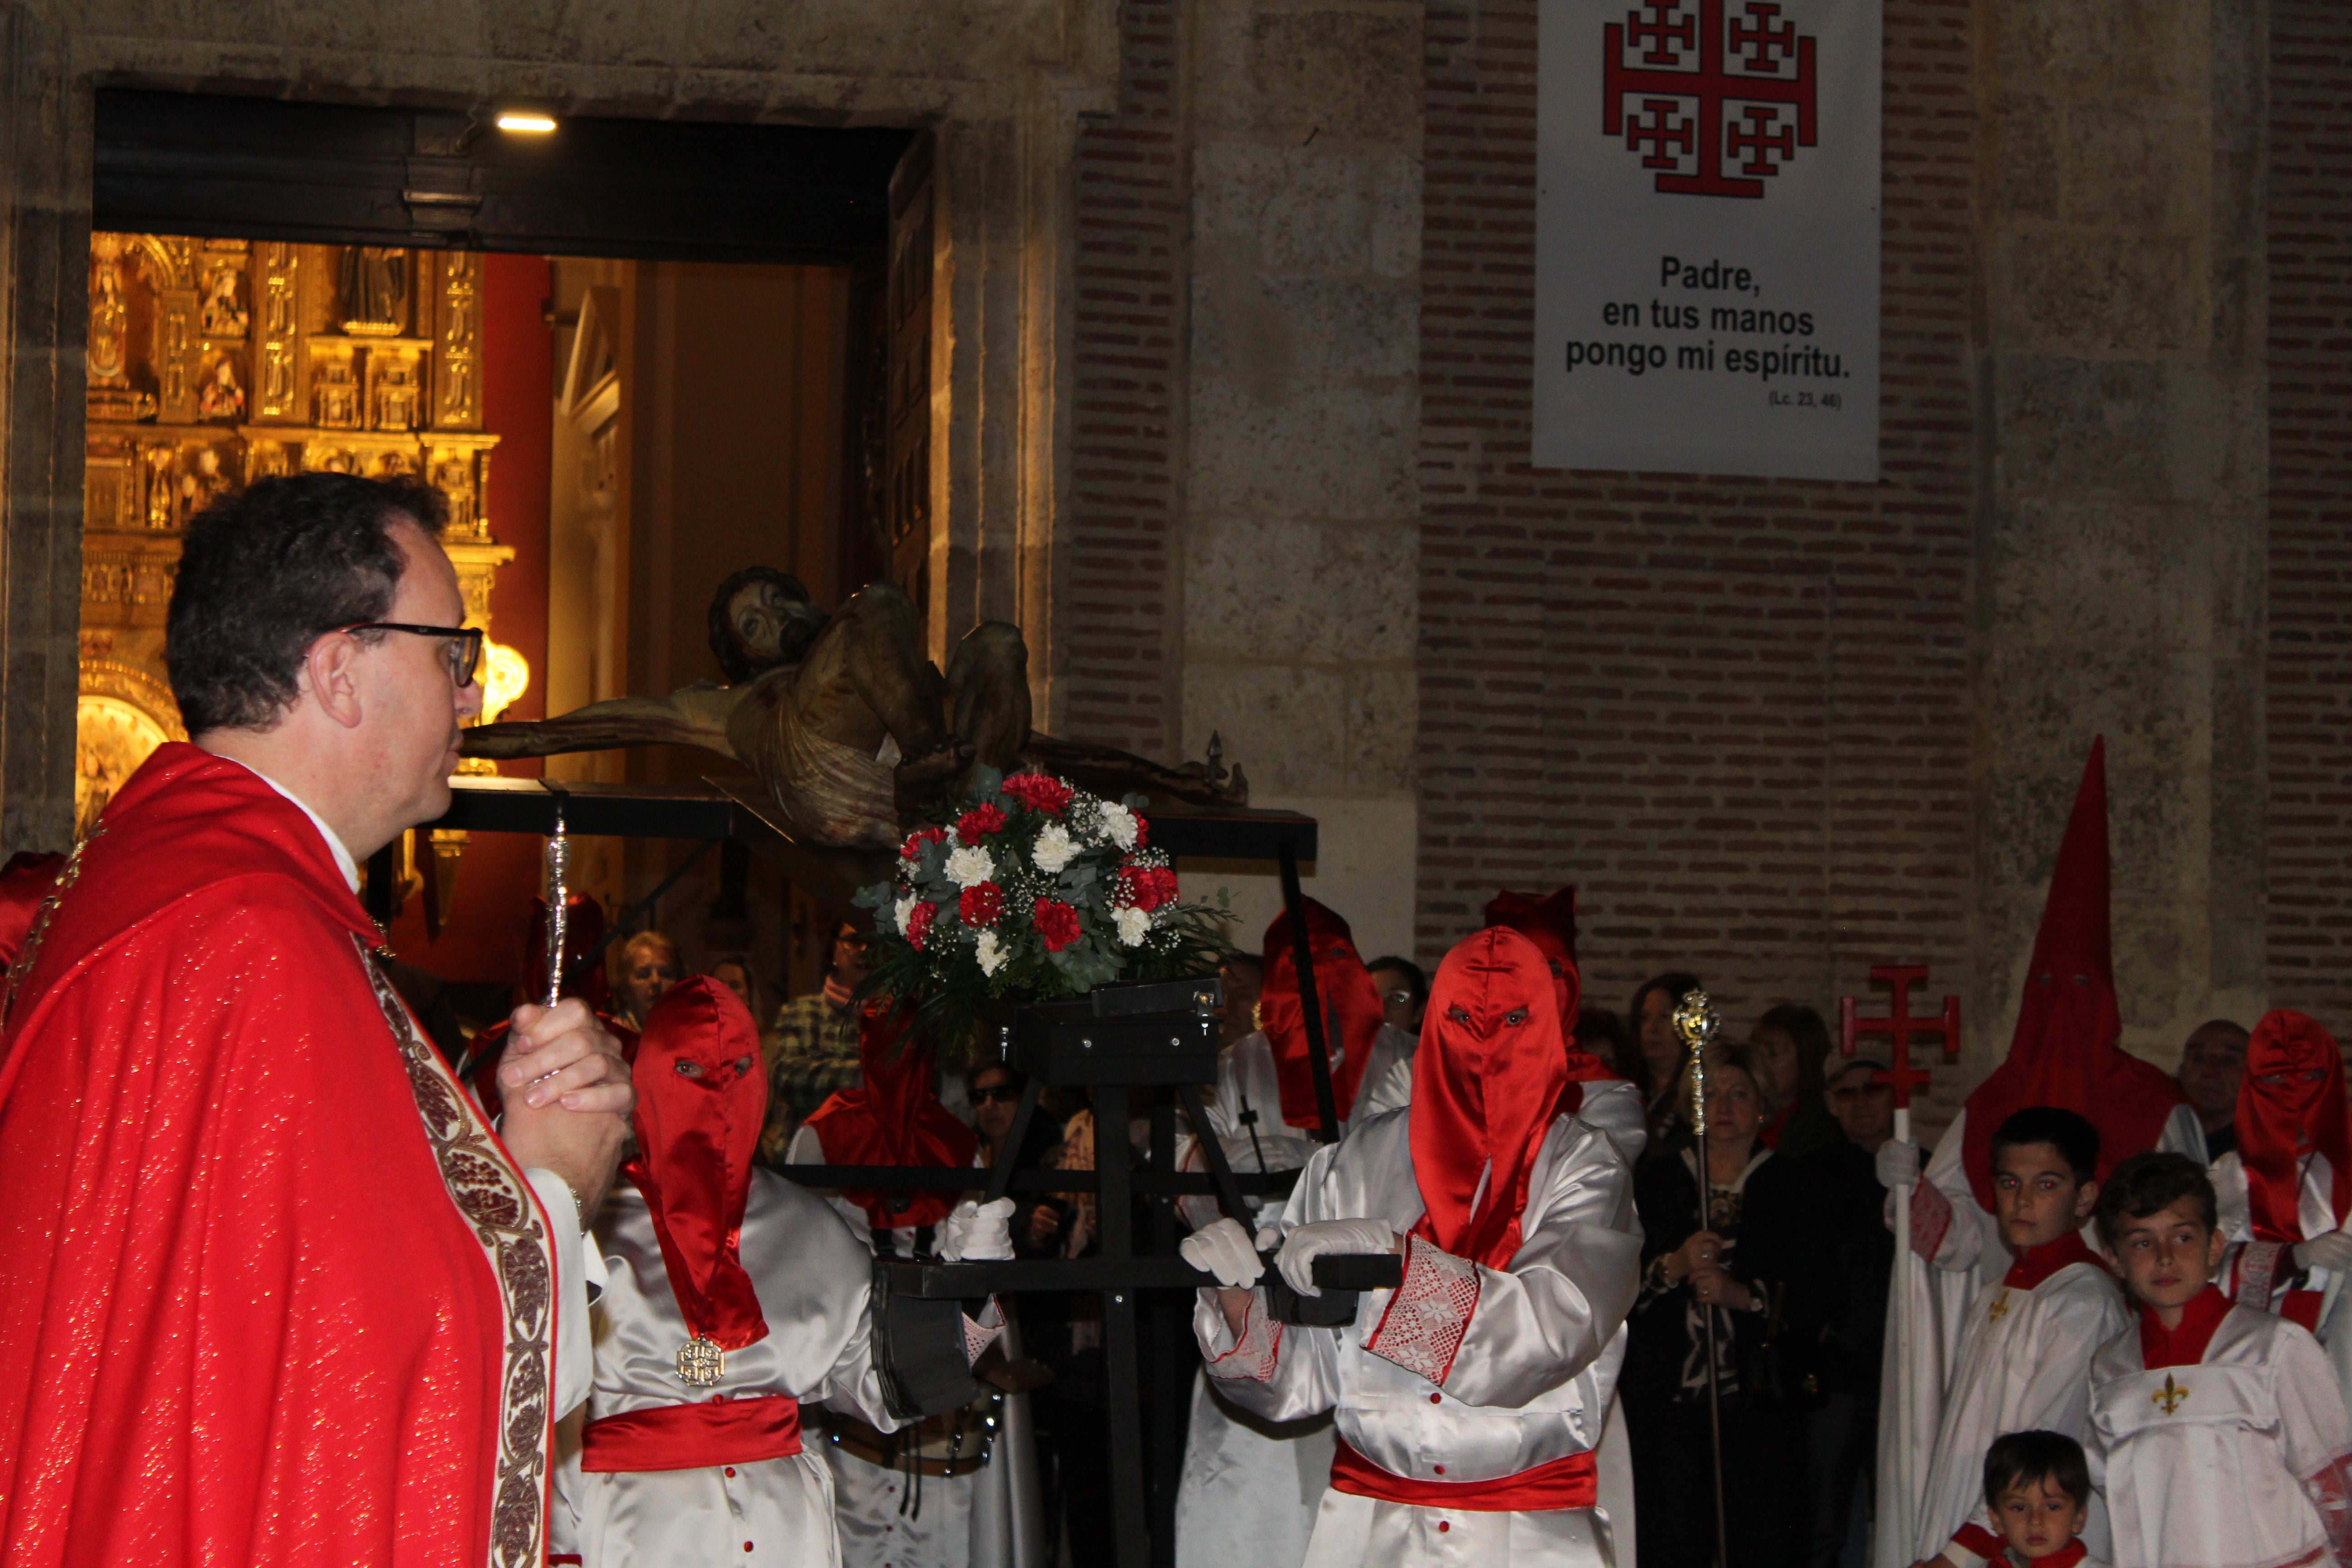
<point>2236,1462</point>
<point>1505,1369</point>
<point>812,1278</point>
<point>1247,1493</point>
<point>1969,1257</point>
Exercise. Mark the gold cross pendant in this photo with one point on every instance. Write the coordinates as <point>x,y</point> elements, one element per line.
<point>2169,1396</point>
<point>700,1363</point>
<point>2000,1309</point>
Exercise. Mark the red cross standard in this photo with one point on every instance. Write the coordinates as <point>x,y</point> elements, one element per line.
<point>1686,49</point>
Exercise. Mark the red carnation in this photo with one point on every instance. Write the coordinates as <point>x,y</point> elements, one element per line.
<point>978,823</point>
<point>918,925</point>
<point>921,837</point>
<point>1039,791</point>
<point>1057,922</point>
<point>981,904</point>
<point>1147,888</point>
<point>1142,831</point>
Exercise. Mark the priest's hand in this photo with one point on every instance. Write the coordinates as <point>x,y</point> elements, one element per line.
<point>568,1098</point>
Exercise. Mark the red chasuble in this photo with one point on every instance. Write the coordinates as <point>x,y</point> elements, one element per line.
<point>271,1292</point>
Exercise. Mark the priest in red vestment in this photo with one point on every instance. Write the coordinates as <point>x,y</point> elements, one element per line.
<point>272,1290</point>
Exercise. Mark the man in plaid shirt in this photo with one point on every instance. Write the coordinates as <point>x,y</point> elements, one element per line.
<point>812,1052</point>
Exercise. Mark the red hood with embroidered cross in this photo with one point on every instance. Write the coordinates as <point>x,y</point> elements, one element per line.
<point>2291,1104</point>
<point>701,1099</point>
<point>1345,988</point>
<point>1485,1083</point>
<point>892,1118</point>
<point>2065,1052</point>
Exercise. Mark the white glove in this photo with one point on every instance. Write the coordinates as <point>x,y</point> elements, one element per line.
<point>1308,1242</point>
<point>1898,1163</point>
<point>2332,1251</point>
<point>977,1232</point>
<point>1223,1249</point>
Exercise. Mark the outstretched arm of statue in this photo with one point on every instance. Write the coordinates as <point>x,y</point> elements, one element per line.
<point>694,716</point>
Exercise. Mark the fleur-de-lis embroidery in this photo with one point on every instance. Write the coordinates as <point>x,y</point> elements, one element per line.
<point>2000,1309</point>
<point>2168,1398</point>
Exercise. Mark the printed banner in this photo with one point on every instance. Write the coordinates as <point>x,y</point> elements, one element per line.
<point>1706,242</point>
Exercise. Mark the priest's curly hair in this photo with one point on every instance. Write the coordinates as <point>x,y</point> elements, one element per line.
<point>267,571</point>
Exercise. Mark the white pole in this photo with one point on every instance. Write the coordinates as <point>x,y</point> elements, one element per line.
<point>1904,1475</point>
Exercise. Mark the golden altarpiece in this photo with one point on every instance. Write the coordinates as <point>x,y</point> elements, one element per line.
<point>213,363</point>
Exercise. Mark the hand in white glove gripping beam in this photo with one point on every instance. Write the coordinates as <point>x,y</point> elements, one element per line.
<point>1310,1242</point>
<point>2331,1251</point>
<point>1898,1163</point>
<point>1223,1248</point>
<point>977,1232</point>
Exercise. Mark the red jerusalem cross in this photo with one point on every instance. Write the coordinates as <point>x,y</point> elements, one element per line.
<point>1900,1025</point>
<point>1685,57</point>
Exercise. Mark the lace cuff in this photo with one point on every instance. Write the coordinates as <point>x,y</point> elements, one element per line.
<point>2330,1490</point>
<point>1426,1319</point>
<point>979,1333</point>
<point>1254,1354</point>
<point>2257,1272</point>
<point>1931,1220</point>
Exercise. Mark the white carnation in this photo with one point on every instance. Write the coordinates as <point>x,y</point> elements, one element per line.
<point>1133,924</point>
<point>1054,848</point>
<point>990,952</point>
<point>902,911</point>
<point>1117,824</point>
<point>970,866</point>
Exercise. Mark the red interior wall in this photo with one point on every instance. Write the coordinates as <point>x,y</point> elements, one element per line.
<point>483,939</point>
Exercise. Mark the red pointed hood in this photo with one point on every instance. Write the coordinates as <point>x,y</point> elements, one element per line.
<point>1345,988</point>
<point>2065,1052</point>
<point>1550,924</point>
<point>1486,1082</point>
<point>892,1118</point>
<point>2292,1104</point>
<point>701,1099</point>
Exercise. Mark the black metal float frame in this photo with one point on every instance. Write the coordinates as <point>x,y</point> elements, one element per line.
<point>723,809</point>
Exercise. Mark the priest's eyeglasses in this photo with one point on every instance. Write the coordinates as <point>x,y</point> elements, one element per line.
<point>462,656</point>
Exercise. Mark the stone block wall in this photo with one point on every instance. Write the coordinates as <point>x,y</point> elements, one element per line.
<point>1735,712</point>
<point>2310,398</point>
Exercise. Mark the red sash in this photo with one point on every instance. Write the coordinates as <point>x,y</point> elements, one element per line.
<point>1564,1483</point>
<point>694,1437</point>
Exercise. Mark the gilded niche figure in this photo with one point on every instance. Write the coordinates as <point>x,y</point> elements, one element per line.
<point>222,397</point>
<point>375,290</point>
<point>109,318</point>
<point>224,313</point>
<point>844,719</point>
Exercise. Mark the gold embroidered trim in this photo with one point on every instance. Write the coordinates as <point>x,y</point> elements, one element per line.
<point>40,928</point>
<point>496,1201</point>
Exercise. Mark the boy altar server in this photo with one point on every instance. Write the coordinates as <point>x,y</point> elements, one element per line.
<point>1469,1399</point>
<point>2064,1053</point>
<point>2029,1335</point>
<point>2219,1428</point>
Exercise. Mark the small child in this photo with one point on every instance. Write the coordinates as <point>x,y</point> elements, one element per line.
<point>2038,1485</point>
<point>2217,1431</point>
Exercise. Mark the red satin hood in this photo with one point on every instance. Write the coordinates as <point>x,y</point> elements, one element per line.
<point>1485,1084</point>
<point>892,1118</point>
<point>701,1098</point>
<point>1345,988</point>
<point>2292,1103</point>
<point>2065,1052</point>
<point>1550,924</point>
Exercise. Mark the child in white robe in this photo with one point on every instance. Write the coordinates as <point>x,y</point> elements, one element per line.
<point>2217,1430</point>
<point>2029,1334</point>
<point>2038,1486</point>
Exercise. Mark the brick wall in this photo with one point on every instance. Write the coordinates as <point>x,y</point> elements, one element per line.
<point>2310,720</point>
<point>1132,221</point>
<point>1735,712</point>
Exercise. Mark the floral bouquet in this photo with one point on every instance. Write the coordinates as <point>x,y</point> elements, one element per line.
<point>1027,889</point>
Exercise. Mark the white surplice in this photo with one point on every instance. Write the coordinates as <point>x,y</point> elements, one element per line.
<point>812,1278</point>
<point>2236,1462</point>
<point>1967,1258</point>
<point>1470,1373</point>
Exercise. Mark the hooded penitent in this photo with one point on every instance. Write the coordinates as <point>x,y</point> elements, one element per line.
<point>2065,1052</point>
<point>701,1098</point>
<point>1486,1082</point>
<point>2292,1105</point>
<point>1550,924</point>
<point>892,1118</point>
<point>1351,1012</point>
